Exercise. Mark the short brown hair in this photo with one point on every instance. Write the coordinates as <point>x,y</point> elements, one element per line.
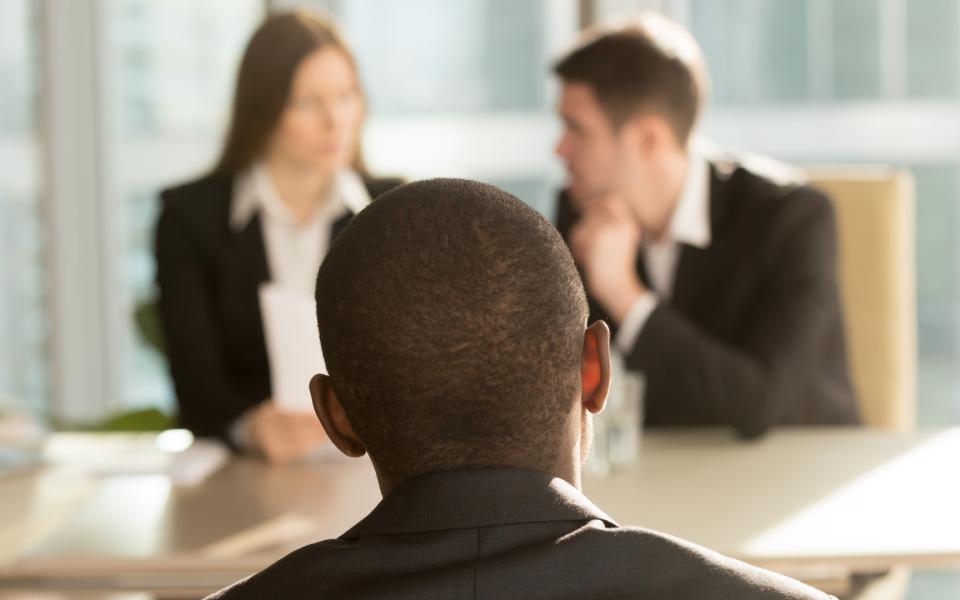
<point>647,64</point>
<point>264,79</point>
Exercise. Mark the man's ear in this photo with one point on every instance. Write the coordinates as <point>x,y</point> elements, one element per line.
<point>595,367</point>
<point>648,134</point>
<point>333,417</point>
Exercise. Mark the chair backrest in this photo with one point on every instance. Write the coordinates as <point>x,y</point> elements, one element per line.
<point>875,222</point>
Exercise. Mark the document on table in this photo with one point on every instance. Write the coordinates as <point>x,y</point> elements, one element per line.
<point>187,462</point>
<point>293,345</point>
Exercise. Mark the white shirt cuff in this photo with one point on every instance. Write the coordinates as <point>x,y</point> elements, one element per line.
<point>633,324</point>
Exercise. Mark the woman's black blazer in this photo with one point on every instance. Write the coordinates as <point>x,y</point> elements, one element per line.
<point>208,277</point>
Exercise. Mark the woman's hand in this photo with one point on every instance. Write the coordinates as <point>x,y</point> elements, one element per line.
<point>284,436</point>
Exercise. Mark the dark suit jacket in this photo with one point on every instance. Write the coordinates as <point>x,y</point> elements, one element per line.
<point>753,333</point>
<point>208,276</point>
<point>502,534</point>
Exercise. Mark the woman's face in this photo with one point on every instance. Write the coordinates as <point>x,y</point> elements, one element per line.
<point>320,125</point>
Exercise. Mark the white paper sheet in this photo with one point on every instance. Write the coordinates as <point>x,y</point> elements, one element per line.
<point>293,346</point>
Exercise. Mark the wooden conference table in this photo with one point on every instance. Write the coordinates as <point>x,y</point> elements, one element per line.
<point>794,500</point>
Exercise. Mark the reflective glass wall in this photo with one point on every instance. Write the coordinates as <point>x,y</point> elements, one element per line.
<point>24,333</point>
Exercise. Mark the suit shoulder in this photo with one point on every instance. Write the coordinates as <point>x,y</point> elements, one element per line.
<point>671,567</point>
<point>312,570</point>
<point>203,202</point>
<point>764,186</point>
<point>207,191</point>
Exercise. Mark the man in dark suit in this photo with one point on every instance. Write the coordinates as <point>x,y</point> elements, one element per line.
<point>718,277</point>
<point>454,327</point>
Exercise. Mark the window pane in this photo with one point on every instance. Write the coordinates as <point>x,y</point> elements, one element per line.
<point>23,295</point>
<point>724,40</point>
<point>755,49</point>
<point>487,55</point>
<point>541,194</point>
<point>856,49</point>
<point>932,48</point>
<point>172,70</point>
<point>175,62</point>
<point>938,275</point>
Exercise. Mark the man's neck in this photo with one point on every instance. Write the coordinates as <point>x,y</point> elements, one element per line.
<point>671,178</point>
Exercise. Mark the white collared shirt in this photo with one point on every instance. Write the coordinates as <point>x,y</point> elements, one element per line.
<point>689,224</point>
<point>294,250</point>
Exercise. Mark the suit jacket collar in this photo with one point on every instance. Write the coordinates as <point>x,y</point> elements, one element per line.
<point>699,270</point>
<point>254,193</point>
<point>471,498</point>
<point>690,221</point>
<point>247,247</point>
<point>247,241</point>
<point>694,272</point>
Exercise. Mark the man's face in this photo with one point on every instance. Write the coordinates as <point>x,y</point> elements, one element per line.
<point>590,147</point>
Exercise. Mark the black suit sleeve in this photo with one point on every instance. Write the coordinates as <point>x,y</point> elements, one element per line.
<point>207,404</point>
<point>762,379</point>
